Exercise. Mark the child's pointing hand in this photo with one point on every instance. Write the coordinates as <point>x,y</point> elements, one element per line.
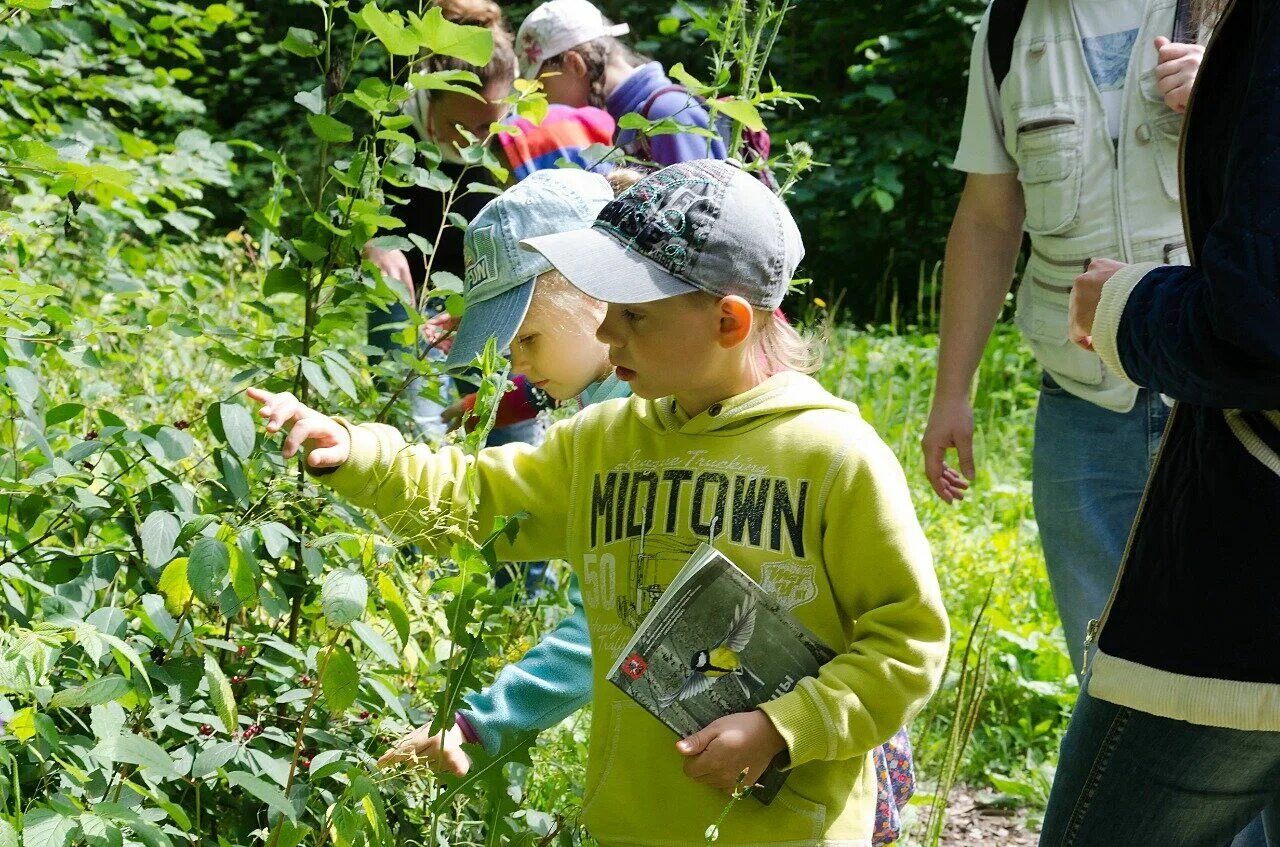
<point>724,748</point>
<point>328,443</point>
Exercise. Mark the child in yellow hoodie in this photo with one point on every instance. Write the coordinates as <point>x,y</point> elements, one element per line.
<point>724,439</point>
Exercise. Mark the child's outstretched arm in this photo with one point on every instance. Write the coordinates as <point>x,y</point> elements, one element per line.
<point>436,498</point>
<point>881,571</point>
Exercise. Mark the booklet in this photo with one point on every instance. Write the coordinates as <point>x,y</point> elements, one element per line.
<point>716,643</point>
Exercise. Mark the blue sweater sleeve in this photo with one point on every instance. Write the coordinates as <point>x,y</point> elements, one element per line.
<point>550,682</point>
<point>1210,334</point>
<point>685,109</point>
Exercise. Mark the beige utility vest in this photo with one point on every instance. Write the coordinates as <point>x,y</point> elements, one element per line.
<point>1087,197</point>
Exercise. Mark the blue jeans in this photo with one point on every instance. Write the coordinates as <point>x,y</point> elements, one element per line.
<point>1089,469</point>
<point>1130,779</point>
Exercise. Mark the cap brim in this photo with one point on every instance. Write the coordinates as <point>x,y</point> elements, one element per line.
<point>602,268</point>
<point>497,318</point>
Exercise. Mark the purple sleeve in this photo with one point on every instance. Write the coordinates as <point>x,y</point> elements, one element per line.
<point>682,147</point>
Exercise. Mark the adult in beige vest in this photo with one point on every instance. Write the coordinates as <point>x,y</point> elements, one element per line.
<point>1076,146</point>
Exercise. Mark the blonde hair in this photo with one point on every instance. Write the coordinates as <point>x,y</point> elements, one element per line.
<point>781,347</point>
<point>620,179</point>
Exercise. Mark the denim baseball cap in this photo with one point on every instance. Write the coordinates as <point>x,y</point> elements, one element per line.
<point>703,225</point>
<point>498,284</point>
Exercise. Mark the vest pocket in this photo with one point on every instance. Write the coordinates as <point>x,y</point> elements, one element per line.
<point>1042,317</point>
<point>1048,156</point>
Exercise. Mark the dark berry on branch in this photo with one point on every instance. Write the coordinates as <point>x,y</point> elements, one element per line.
<point>206,730</point>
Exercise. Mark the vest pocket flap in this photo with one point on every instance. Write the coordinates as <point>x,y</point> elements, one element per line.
<point>1047,149</point>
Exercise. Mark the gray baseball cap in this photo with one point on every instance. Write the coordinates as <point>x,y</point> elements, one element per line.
<point>704,225</point>
<point>498,284</point>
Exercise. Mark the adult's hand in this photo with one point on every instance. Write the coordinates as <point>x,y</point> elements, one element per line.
<point>393,264</point>
<point>1176,72</point>
<point>1085,295</point>
<point>950,426</point>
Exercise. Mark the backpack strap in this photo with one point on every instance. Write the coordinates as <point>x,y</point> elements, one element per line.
<point>653,98</point>
<point>1002,26</point>
<point>1186,30</point>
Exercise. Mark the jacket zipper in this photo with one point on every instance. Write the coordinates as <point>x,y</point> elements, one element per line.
<point>1095,626</point>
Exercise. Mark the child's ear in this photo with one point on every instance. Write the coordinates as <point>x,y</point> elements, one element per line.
<point>736,317</point>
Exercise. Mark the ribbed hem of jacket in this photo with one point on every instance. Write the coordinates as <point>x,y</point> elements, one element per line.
<point>1106,321</point>
<point>1251,706</point>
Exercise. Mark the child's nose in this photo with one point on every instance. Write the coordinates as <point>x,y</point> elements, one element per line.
<point>605,332</point>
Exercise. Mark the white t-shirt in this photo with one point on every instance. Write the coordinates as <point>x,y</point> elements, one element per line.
<point>1108,32</point>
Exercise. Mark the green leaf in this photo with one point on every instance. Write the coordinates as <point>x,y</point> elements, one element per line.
<point>375,642</point>
<point>277,537</point>
<point>395,607</point>
<point>340,680</point>
<point>101,690</point>
<point>8,835</point>
<point>471,44</point>
<point>207,569</point>
<point>267,793</point>
<point>284,281</point>
<point>213,757</point>
<point>329,128</point>
<point>46,828</point>
<point>742,112</point>
<point>99,832</point>
<point>391,31</point>
<point>237,426</point>
<point>312,101</point>
<point>62,413</point>
<point>175,586</point>
<point>224,701</point>
<point>458,82</point>
<point>343,597</point>
<point>136,750</point>
<point>301,42</point>
<point>159,533</point>
<point>24,384</point>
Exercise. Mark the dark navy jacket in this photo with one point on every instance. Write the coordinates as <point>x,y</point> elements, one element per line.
<point>1200,589</point>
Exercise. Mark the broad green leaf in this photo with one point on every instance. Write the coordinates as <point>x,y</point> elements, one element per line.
<point>62,413</point>
<point>213,757</point>
<point>742,112</point>
<point>343,597</point>
<point>375,642</point>
<point>101,690</point>
<point>159,533</point>
<point>458,82</point>
<point>471,44</point>
<point>283,281</point>
<point>224,702</point>
<point>264,791</point>
<point>312,101</point>
<point>340,680</point>
<point>135,750</point>
<point>46,828</point>
<point>329,128</point>
<point>390,30</point>
<point>301,42</point>
<point>207,568</point>
<point>8,835</point>
<point>23,724</point>
<point>175,586</point>
<point>99,832</point>
<point>277,537</point>
<point>24,384</point>
<point>244,581</point>
<point>237,425</point>
<point>395,607</point>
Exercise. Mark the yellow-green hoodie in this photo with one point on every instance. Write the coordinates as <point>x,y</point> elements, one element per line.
<point>798,491</point>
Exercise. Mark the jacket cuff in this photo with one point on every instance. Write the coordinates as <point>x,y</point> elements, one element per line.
<point>802,724</point>
<point>478,732</point>
<point>1106,321</point>
<point>353,476</point>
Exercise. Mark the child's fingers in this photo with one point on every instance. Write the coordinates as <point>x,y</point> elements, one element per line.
<point>326,457</point>
<point>302,430</point>
<point>259,394</point>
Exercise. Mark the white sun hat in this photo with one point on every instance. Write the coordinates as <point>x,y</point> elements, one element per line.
<point>557,26</point>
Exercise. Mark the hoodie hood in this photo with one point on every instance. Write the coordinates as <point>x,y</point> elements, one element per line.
<point>781,394</point>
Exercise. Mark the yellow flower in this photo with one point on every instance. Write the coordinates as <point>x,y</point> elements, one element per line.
<point>819,302</point>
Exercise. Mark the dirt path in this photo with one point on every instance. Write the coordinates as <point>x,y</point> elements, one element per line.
<point>971,823</point>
